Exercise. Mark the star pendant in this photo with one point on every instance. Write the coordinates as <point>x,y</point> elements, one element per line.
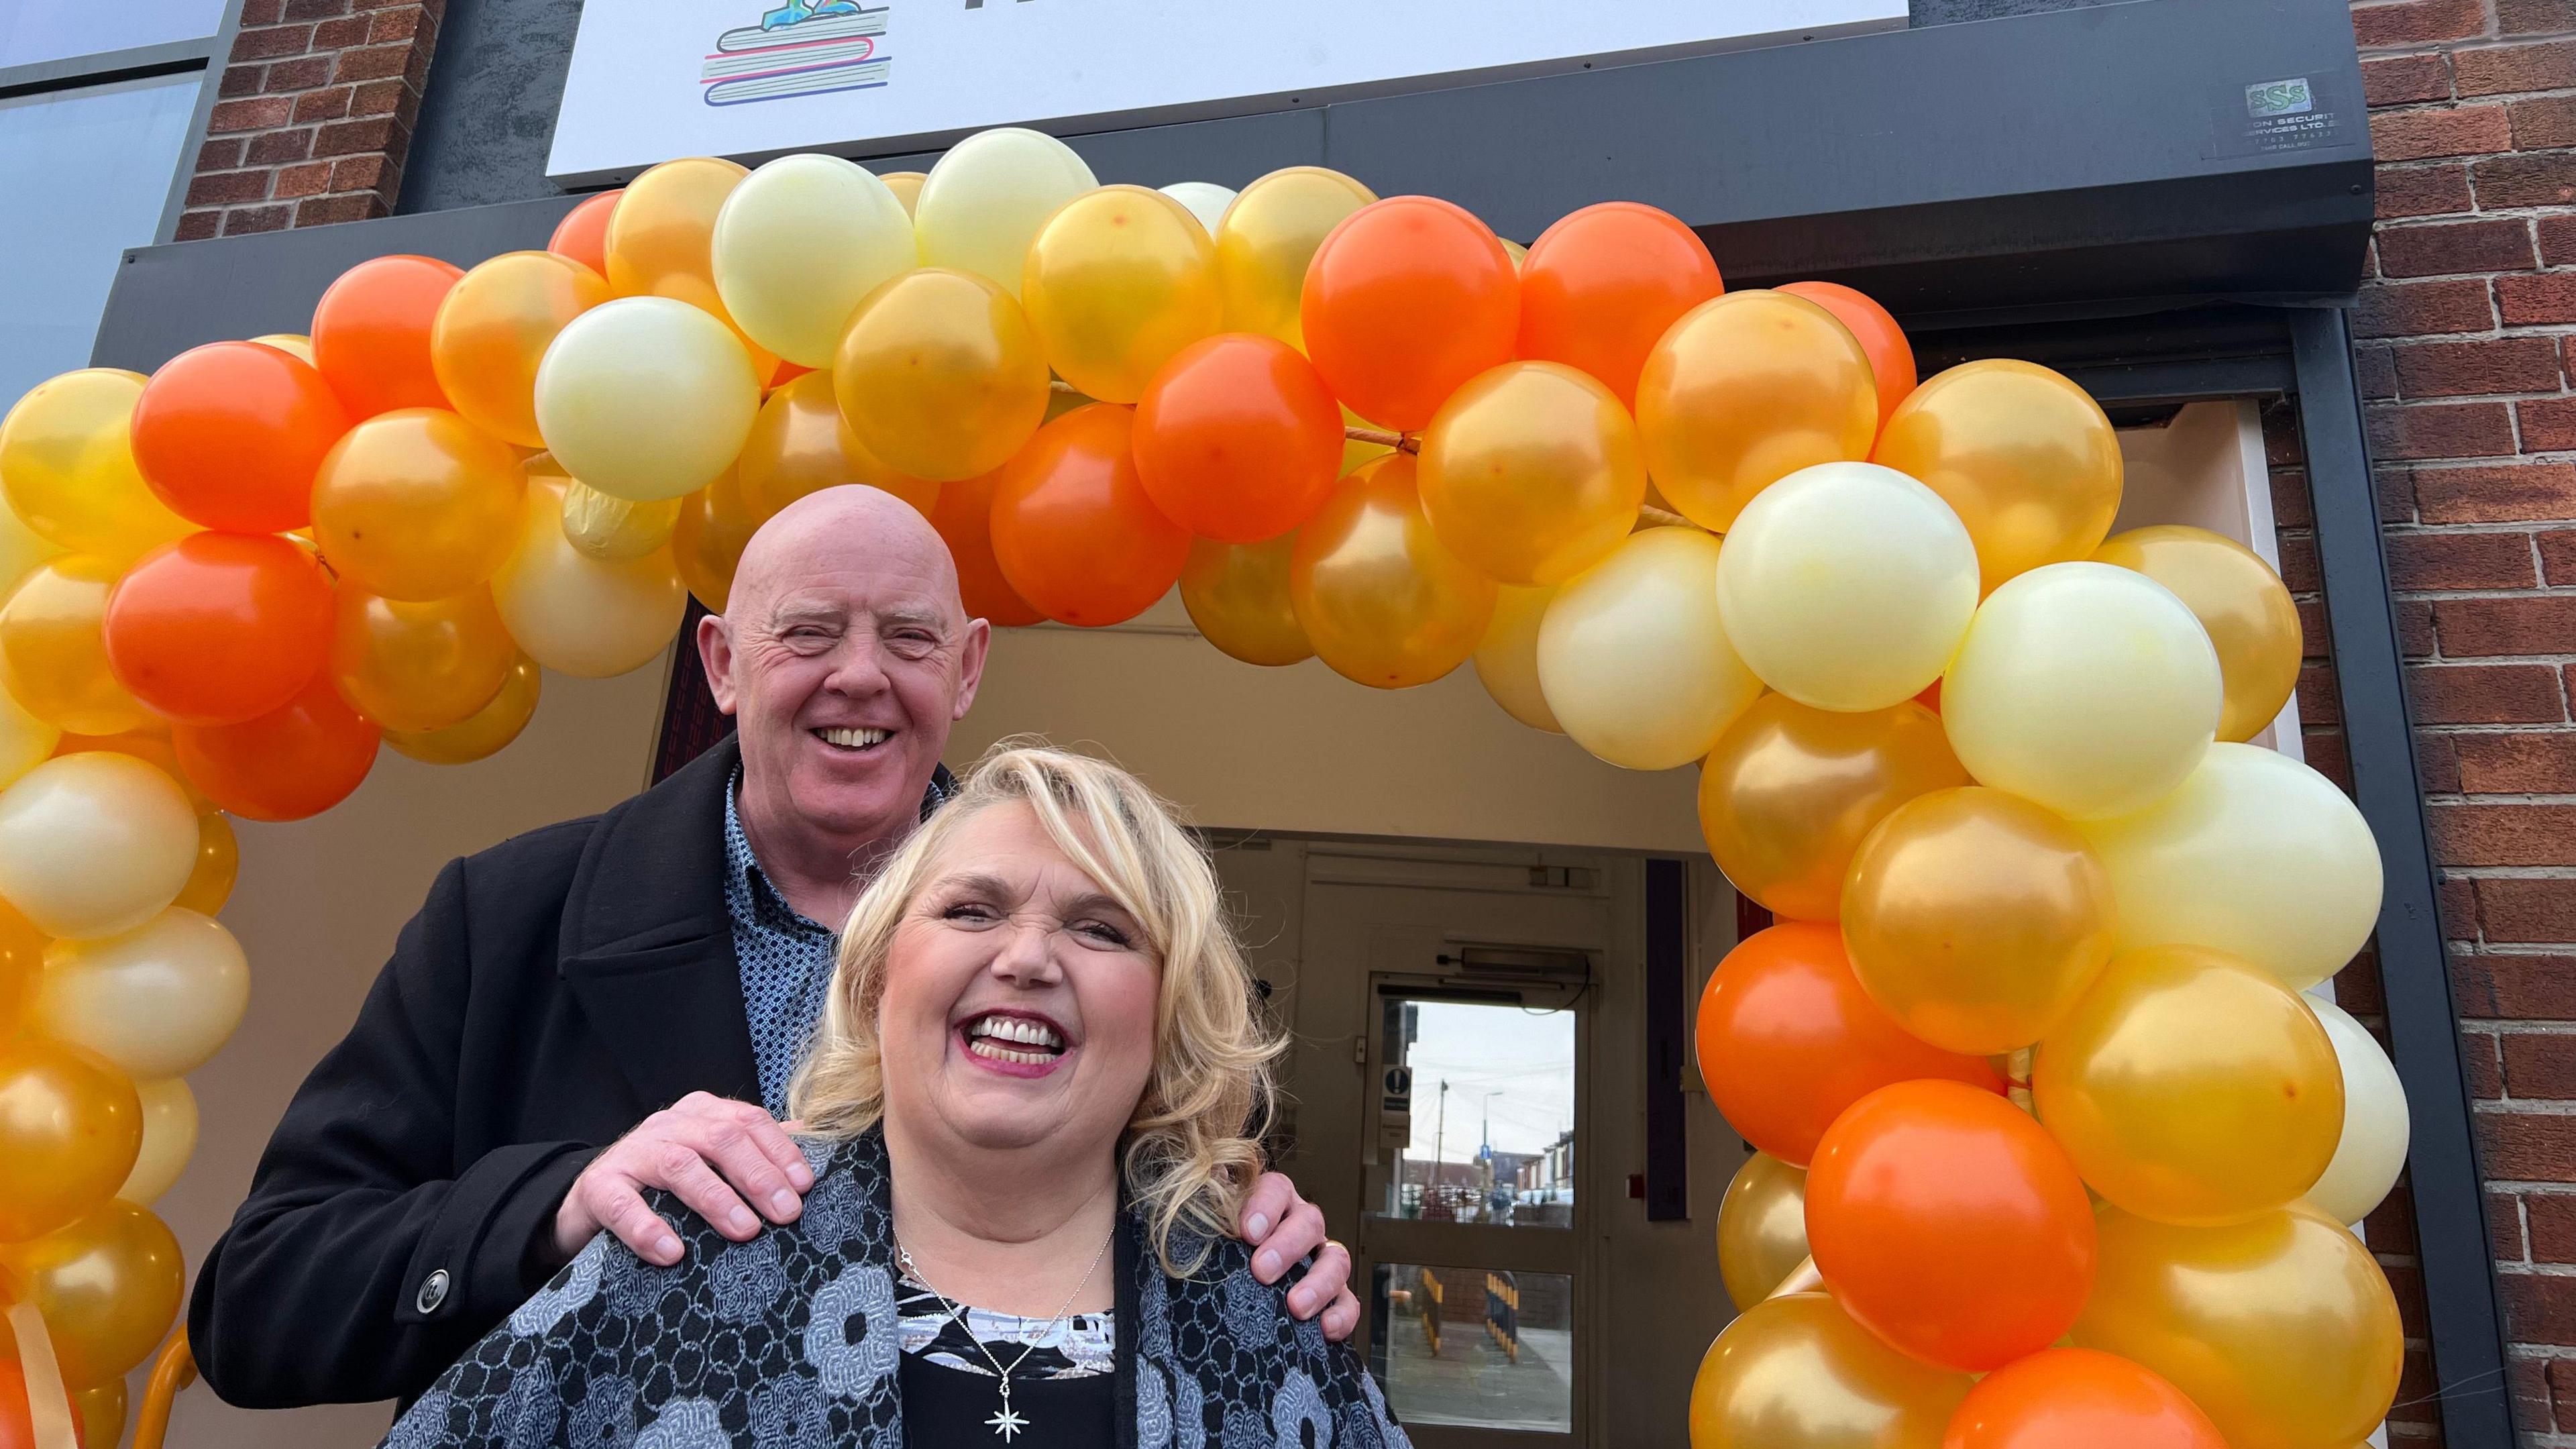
<point>1006,1422</point>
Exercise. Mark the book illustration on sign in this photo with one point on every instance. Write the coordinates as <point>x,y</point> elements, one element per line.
<point>802,48</point>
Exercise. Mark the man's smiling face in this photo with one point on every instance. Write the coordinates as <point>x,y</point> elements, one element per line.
<point>844,657</point>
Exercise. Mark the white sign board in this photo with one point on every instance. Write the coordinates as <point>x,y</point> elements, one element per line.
<point>656,79</point>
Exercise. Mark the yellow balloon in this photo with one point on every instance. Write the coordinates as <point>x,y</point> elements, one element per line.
<point>293,344</point>
<point>984,201</point>
<point>2023,454</point>
<point>580,615</point>
<point>1791,791</point>
<point>108,1286</point>
<point>2238,599</point>
<point>1266,239</point>
<point>1237,595</point>
<point>210,882</point>
<point>646,398</point>
<point>716,525</point>
<point>169,1140</point>
<point>492,332</point>
<point>661,233</point>
<point>2087,688</point>
<point>906,186</point>
<point>2371,1150</point>
<point>53,651</point>
<point>2191,1088</point>
<point>1356,451</point>
<point>70,1125</point>
<point>801,444</point>
<point>1795,1372</point>
<point>1379,596</point>
<point>1761,1228</point>
<point>1745,390</point>
<point>25,739</point>
<point>1632,659</point>
<point>940,375</point>
<point>2281,1329</point>
<point>67,466</point>
<point>2255,855</point>
<point>21,549</point>
<point>1116,282</point>
<point>798,243</point>
<point>487,732</point>
<point>603,525</point>
<point>1976,918</point>
<point>101,1410</point>
<point>1847,586</point>
<point>418,666</point>
<point>417,504</point>
<point>158,1001</point>
<point>1507,657</point>
<point>1532,473</point>
<point>94,843</point>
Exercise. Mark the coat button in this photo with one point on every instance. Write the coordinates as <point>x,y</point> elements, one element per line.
<point>433,1292</point>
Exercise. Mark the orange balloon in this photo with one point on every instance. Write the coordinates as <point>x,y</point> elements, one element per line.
<point>963,515</point>
<point>800,443</point>
<point>219,627</point>
<point>17,1428</point>
<point>583,233</point>
<point>1891,357</point>
<point>1073,529</point>
<point>1237,438</point>
<point>493,330</point>
<point>70,1126</point>
<point>1381,598</point>
<point>1951,1224</point>
<point>2061,1398</point>
<point>230,434</point>
<point>299,759</point>
<point>371,333</point>
<point>1406,299</point>
<point>1604,282</point>
<point>108,1286</point>
<point>418,504</point>
<point>1787,1040</point>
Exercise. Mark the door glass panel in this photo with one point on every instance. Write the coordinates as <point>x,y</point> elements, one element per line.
<point>1486,1131</point>
<point>1471,1346</point>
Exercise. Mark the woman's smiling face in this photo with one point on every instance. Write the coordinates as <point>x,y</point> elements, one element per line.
<point>1019,999</point>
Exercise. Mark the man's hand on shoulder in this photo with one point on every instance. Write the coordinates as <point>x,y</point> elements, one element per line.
<point>1282,1227</point>
<point>713,1154</point>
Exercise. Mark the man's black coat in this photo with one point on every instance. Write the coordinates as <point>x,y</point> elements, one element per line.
<point>553,992</point>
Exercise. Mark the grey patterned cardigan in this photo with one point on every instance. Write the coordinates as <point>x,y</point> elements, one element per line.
<point>790,1340</point>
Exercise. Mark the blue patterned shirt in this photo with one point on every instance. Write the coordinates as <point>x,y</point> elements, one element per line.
<point>786,959</point>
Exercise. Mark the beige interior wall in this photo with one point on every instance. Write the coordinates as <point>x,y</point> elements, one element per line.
<point>317,910</point>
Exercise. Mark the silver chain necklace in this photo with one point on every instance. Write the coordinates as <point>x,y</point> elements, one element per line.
<point>1007,1422</point>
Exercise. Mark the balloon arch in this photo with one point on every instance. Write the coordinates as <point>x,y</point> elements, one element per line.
<point>2027,1058</point>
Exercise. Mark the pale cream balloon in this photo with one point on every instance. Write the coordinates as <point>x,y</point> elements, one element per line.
<point>2253,854</point>
<point>2376,1129</point>
<point>158,1000</point>
<point>94,843</point>
<point>1507,660</point>
<point>169,1140</point>
<point>646,398</point>
<point>25,740</point>
<point>1632,659</point>
<point>988,196</point>
<point>796,246</point>
<point>579,615</point>
<point>1847,586</point>
<point>2088,688</point>
<point>1205,199</point>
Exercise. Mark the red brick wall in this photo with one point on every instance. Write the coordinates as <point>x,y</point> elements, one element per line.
<point>313,115</point>
<point>2468,324</point>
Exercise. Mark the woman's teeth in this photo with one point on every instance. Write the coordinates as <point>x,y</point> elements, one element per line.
<point>1014,1039</point>
<point>852,739</point>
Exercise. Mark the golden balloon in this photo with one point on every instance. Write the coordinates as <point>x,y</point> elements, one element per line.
<point>1790,792</point>
<point>486,731</point>
<point>108,1286</point>
<point>2024,455</point>
<point>70,1125</point>
<point>940,376</point>
<point>1237,595</point>
<point>419,666</point>
<point>1267,237</point>
<point>417,504</point>
<point>716,525</point>
<point>53,648</point>
<point>1381,598</point>
<point>1532,473</point>
<point>2239,599</point>
<point>1745,390</point>
<point>801,444</point>
<point>1761,1228</point>
<point>1795,1372</point>
<point>210,884</point>
<point>1117,281</point>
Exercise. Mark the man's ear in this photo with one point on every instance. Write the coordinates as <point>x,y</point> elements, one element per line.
<point>970,666</point>
<point>715,652</point>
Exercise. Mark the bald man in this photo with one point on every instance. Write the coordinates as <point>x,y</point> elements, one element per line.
<point>617,1003</point>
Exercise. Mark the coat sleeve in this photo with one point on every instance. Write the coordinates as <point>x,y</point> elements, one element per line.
<point>364,1259</point>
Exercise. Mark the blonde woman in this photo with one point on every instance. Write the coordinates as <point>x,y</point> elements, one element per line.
<point>1031,1103</point>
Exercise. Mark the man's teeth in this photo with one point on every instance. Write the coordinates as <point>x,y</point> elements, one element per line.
<point>853,739</point>
<point>997,1036</point>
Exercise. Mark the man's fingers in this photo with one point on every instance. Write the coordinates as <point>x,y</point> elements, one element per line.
<point>770,1136</point>
<point>737,1151</point>
<point>1269,1201</point>
<point>621,1210</point>
<point>1343,1318</point>
<point>687,1175</point>
<point>1327,1280</point>
<point>1298,1234</point>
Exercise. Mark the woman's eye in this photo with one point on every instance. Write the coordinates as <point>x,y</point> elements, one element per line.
<point>970,911</point>
<point>1103,932</point>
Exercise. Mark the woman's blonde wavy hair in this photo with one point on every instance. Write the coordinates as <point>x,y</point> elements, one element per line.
<point>1192,1147</point>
